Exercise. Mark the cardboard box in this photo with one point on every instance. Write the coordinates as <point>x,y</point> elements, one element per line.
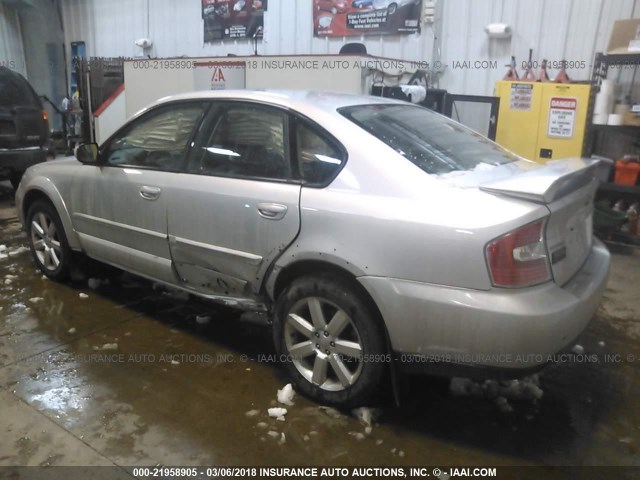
<point>631,118</point>
<point>624,36</point>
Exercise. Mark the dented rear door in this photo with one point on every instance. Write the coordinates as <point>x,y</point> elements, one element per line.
<point>237,207</point>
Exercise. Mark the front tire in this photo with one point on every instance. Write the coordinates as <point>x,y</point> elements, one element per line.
<point>49,246</point>
<point>330,341</point>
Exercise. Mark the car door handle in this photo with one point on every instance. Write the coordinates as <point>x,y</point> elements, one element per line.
<point>272,211</point>
<point>150,193</point>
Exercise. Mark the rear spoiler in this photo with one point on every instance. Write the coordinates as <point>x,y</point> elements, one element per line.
<point>553,180</point>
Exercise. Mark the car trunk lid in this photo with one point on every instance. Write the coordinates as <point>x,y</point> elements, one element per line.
<point>567,188</point>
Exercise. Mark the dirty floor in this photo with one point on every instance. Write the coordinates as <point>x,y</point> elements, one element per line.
<point>125,374</point>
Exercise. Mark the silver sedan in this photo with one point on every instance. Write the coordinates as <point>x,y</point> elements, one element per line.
<point>378,236</point>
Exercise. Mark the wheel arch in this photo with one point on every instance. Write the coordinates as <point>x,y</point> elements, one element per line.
<point>50,194</point>
<point>283,276</point>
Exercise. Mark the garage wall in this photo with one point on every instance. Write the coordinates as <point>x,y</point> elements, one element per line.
<point>11,48</point>
<point>573,30</point>
<point>110,28</point>
<point>555,29</point>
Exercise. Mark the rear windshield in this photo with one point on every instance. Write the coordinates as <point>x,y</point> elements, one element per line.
<point>15,91</point>
<point>434,143</point>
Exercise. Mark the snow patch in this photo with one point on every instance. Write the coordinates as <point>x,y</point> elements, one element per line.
<point>277,413</point>
<point>83,296</point>
<point>366,415</point>
<point>107,346</point>
<point>358,436</point>
<point>286,394</point>
<point>578,349</point>
<point>18,251</point>
<point>72,330</point>
<point>36,300</point>
<point>252,413</point>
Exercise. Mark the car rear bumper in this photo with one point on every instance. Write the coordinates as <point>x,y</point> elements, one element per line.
<point>18,160</point>
<point>435,328</point>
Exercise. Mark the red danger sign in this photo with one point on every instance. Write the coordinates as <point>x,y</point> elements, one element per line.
<point>564,103</point>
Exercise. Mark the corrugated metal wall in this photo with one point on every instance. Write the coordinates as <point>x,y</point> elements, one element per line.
<point>556,29</point>
<point>572,30</point>
<point>11,49</point>
<point>110,28</point>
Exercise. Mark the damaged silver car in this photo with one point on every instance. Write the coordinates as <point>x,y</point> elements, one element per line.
<point>377,234</point>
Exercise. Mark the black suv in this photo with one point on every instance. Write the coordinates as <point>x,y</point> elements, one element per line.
<point>24,128</point>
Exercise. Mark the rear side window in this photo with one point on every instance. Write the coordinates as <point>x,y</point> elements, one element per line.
<point>319,159</point>
<point>16,91</point>
<point>434,143</point>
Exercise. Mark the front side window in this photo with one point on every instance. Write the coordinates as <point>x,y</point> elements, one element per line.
<point>432,142</point>
<point>319,159</point>
<point>244,141</point>
<point>156,141</point>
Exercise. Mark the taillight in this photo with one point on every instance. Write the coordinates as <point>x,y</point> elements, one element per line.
<point>45,117</point>
<point>519,258</point>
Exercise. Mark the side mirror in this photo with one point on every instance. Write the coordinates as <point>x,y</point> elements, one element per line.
<point>87,153</point>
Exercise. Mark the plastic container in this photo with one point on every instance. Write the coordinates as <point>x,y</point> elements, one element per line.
<point>627,171</point>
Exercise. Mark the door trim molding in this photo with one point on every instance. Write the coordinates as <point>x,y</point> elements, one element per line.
<point>250,257</point>
<point>123,226</point>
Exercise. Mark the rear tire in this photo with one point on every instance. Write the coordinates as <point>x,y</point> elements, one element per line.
<point>48,242</point>
<point>330,341</point>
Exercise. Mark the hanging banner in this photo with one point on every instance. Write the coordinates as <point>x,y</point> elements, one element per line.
<point>339,18</point>
<point>233,19</point>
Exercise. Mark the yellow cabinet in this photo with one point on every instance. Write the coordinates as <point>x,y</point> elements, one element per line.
<point>542,121</point>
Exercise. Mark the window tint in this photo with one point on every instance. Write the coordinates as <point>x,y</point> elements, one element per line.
<point>158,140</point>
<point>319,160</point>
<point>434,143</point>
<point>16,91</point>
<point>244,140</point>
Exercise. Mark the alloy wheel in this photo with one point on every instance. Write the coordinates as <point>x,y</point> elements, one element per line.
<point>323,344</point>
<point>45,239</point>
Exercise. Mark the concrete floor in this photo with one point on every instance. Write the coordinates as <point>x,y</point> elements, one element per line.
<point>128,377</point>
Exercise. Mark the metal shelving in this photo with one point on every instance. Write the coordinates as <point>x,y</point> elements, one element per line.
<point>596,133</point>
<point>599,73</point>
